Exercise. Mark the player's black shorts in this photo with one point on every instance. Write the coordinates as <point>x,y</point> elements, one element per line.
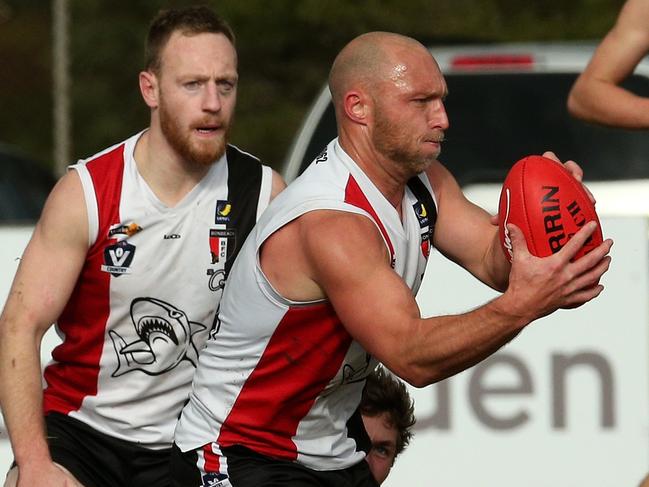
<point>98,460</point>
<point>249,469</point>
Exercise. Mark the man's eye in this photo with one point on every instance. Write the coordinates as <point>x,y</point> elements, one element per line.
<point>422,101</point>
<point>226,87</point>
<point>381,451</point>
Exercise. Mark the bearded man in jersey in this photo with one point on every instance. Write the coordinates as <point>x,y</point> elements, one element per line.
<point>324,287</point>
<point>129,258</point>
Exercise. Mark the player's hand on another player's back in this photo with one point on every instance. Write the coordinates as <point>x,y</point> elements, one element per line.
<point>540,285</point>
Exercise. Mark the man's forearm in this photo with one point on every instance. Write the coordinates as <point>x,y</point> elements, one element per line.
<point>608,104</point>
<point>446,345</point>
<point>21,394</point>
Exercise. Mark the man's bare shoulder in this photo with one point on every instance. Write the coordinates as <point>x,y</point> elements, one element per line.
<point>64,215</point>
<point>324,246</point>
<point>324,231</point>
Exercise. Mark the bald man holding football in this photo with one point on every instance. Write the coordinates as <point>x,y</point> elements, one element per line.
<point>358,226</point>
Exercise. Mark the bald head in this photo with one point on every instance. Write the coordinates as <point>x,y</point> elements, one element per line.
<point>388,94</point>
<point>368,59</point>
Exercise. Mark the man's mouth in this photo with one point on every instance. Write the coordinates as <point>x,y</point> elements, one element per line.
<point>438,139</point>
<point>207,130</point>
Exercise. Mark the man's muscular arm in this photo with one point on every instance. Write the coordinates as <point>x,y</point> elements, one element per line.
<point>597,95</point>
<point>43,283</point>
<point>341,256</point>
<point>470,240</point>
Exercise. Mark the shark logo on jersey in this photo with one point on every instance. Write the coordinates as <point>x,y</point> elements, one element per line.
<point>164,339</point>
<point>358,373</point>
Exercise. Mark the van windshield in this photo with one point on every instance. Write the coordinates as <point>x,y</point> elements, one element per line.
<point>498,118</point>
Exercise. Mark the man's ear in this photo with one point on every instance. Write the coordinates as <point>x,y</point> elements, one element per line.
<point>149,88</point>
<point>356,107</point>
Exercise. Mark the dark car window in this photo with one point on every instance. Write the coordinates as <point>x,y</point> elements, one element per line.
<point>495,119</point>
<point>24,186</point>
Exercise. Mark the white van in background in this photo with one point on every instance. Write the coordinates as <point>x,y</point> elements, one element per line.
<point>565,404</point>
<point>508,101</point>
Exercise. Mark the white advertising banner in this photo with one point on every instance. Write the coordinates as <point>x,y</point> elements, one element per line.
<point>565,404</point>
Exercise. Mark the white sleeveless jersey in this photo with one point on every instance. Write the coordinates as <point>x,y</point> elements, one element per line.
<point>146,297</point>
<point>283,378</point>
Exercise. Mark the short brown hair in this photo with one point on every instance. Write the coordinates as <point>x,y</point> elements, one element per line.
<point>189,21</point>
<point>385,393</point>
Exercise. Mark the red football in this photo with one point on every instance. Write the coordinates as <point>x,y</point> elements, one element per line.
<point>548,204</point>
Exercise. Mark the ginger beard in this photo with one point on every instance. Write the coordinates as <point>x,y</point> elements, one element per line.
<point>202,152</point>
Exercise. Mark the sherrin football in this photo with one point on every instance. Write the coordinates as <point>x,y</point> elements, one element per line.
<point>548,204</point>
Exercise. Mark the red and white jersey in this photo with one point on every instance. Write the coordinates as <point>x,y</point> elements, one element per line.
<point>283,378</point>
<point>146,297</point>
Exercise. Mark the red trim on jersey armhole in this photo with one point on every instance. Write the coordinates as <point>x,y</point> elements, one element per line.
<point>303,355</point>
<point>354,196</point>
<point>74,375</point>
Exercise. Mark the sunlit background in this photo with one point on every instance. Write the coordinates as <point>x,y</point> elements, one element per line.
<point>577,383</point>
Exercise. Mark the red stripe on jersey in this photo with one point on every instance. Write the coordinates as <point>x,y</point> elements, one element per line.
<point>354,196</point>
<point>212,462</point>
<point>74,375</point>
<point>301,358</point>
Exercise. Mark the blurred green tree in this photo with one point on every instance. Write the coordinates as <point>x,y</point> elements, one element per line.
<point>285,50</point>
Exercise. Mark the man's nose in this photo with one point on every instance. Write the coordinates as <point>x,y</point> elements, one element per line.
<point>211,98</point>
<point>439,118</point>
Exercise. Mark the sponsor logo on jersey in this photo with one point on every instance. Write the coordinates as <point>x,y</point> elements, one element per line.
<point>118,258</point>
<point>422,214</point>
<point>422,217</point>
<point>223,209</point>
<point>171,236</point>
<point>322,157</point>
<point>425,244</point>
<point>216,279</point>
<point>123,230</point>
<point>215,480</point>
<point>220,240</point>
